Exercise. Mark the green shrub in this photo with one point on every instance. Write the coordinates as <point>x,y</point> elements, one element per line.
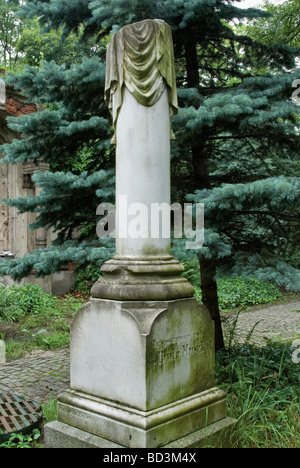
<point>85,277</point>
<point>9,309</point>
<point>23,441</point>
<point>236,292</point>
<point>17,301</point>
<point>31,298</point>
<point>55,340</point>
<point>16,349</point>
<point>192,272</point>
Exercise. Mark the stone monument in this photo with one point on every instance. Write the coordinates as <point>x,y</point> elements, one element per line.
<point>2,352</point>
<point>142,350</point>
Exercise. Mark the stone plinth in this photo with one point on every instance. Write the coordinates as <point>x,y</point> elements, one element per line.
<point>142,373</point>
<point>60,435</point>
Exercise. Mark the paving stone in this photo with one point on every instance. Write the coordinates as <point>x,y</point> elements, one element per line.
<point>38,377</point>
<point>281,322</point>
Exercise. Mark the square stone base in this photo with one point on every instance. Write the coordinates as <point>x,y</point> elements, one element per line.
<point>142,376</point>
<point>61,435</point>
<point>131,427</point>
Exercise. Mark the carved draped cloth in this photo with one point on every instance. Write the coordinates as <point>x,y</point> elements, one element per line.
<point>141,57</point>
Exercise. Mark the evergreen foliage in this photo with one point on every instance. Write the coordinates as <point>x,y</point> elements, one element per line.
<point>237,136</point>
<point>281,27</point>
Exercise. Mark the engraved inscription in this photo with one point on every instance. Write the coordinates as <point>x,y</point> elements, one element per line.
<point>169,350</point>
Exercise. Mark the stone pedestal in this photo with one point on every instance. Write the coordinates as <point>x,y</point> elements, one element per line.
<point>142,374</point>
<point>142,349</point>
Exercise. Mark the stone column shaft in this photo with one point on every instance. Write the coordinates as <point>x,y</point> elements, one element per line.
<point>142,176</point>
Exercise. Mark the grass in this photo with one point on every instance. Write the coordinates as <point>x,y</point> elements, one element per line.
<point>50,410</point>
<point>263,388</point>
<point>33,320</point>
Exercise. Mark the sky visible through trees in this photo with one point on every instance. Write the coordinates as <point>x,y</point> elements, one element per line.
<point>257,3</point>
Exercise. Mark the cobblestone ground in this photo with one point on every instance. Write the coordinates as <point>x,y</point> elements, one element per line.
<point>39,377</point>
<point>45,375</point>
<point>281,322</point>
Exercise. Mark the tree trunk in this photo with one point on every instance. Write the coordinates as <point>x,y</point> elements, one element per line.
<point>201,178</point>
<point>207,266</point>
<point>210,298</point>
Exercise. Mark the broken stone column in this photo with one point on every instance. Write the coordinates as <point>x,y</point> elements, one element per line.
<point>2,352</point>
<point>142,349</point>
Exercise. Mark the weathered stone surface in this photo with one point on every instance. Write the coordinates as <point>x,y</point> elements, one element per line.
<point>142,373</point>
<point>41,376</point>
<point>142,354</point>
<point>140,57</point>
<point>142,280</point>
<point>60,435</point>
<point>2,352</point>
<point>3,208</point>
<point>142,175</point>
<point>141,429</point>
